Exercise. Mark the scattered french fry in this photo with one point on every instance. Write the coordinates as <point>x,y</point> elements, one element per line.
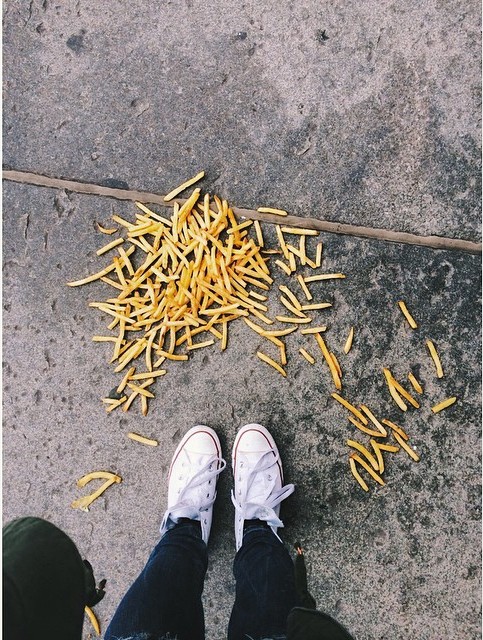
<point>373,419</point>
<point>443,405</point>
<point>172,194</point>
<point>300,231</point>
<point>142,439</point>
<point>329,360</point>
<point>365,452</point>
<point>84,503</point>
<point>396,428</point>
<point>406,447</point>
<point>369,469</point>
<point>93,620</point>
<point>105,230</point>
<point>275,212</point>
<point>435,357</point>
<point>407,315</point>
<point>351,408</point>
<point>350,338</point>
<point>301,281</point>
<point>415,383</point>
<point>364,429</point>
<point>400,389</point>
<point>356,474</point>
<point>307,356</point>
<point>324,276</point>
<point>108,247</point>
<point>272,363</point>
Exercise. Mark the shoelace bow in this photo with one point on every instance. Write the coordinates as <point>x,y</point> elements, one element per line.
<point>186,509</point>
<point>265,511</point>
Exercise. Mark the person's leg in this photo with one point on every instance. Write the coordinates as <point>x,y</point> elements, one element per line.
<point>265,586</point>
<point>264,572</point>
<point>166,598</point>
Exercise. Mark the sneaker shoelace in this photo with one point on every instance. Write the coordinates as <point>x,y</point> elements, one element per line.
<point>186,509</point>
<point>265,511</point>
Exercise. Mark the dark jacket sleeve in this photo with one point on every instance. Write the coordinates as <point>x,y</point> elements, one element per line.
<point>44,582</point>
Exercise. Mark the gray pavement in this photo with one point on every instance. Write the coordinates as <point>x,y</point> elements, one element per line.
<point>375,125</point>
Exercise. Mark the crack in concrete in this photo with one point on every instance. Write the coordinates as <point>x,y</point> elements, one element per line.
<point>386,235</point>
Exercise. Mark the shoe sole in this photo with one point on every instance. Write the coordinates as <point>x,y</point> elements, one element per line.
<point>188,435</point>
<point>268,436</point>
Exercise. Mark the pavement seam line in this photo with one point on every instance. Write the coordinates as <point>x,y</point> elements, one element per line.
<point>386,235</point>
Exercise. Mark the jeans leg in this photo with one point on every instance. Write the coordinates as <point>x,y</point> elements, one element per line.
<point>166,597</point>
<point>265,586</point>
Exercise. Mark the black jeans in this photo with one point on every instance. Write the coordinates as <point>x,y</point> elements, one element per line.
<point>165,600</point>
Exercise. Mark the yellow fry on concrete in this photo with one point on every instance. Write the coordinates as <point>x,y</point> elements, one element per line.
<point>144,405</point>
<point>396,428</point>
<point>93,620</point>
<point>148,374</point>
<point>364,429</point>
<point>329,360</point>
<point>105,230</point>
<point>307,356</point>
<point>319,305</point>
<point>392,390</point>
<point>290,307</point>
<point>283,266</point>
<point>290,296</point>
<point>351,408</point>
<point>200,345</point>
<point>324,276</point>
<point>336,364</point>
<point>275,212</point>
<point>435,357</point>
<point>356,474</point>
<point>301,281</point>
<point>172,194</point>
<point>362,449</point>
<point>369,469</point>
<point>108,247</point>
<point>400,389</point>
<point>85,502</point>
<point>407,315</point>
<point>258,231</point>
<point>373,419</point>
<point>294,320</point>
<point>142,439</point>
<point>300,232</point>
<point>116,404</point>
<point>406,447</point>
<point>140,390</point>
<point>272,363</point>
<point>416,385</point>
<point>313,330</point>
<point>318,255</point>
<point>283,352</point>
<point>98,475</point>
<point>348,343</point>
<point>443,405</point>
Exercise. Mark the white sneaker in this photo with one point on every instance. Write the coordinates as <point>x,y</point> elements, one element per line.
<point>258,479</point>
<point>193,474</point>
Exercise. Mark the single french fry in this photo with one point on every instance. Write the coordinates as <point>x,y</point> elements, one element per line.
<point>324,276</point>
<point>98,475</point>
<point>401,390</point>
<point>301,281</point>
<point>443,404</point>
<point>294,320</point>
<point>300,231</point>
<point>364,429</point>
<point>126,379</point>
<point>93,620</point>
<point>283,266</point>
<point>290,307</point>
<point>275,212</point>
<point>396,428</point>
<point>142,439</point>
<point>307,356</point>
<point>105,230</point>
<point>172,194</point>
<point>373,419</point>
<point>108,247</point>
<point>290,296</point>
<point>415,383</point>
<point>313,330</point>
<point>406,447</point>
<point>258,231</point>
<point>272,363</point>
<point>351,408</point>
<point>435,357</point>
<point>336,364</point>
<point>350,338</point>
<point>356,474</point>
<point>369,469</point>
<point>394,394</point>
<point>407,315</point>
<point>84,503</point>
<point>329,360</point>
<point>362,449</point>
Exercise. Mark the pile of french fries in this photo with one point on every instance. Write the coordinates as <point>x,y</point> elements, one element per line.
<point>201,269</point>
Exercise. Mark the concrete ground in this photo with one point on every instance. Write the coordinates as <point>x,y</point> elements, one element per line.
<point>365,113</point>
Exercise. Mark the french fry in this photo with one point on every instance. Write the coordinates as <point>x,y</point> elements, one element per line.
<point>272,363</point>
<point>392,390</point>
<point>407,315</point>
<point>285,268</point>
<point>378,446</point>
<point>365,452</point>
<point>400,389</point>
<point>84,503</point>
<point>364,429</point>
<point>293,299</point>
<point>369,469</point>
<point>373,419</point>
<point>108,247</point>
<point>406,447</point>
<point>416,386</point>
<point>356,474</point>
<point>329,360</point>
<point>351,408</point>
<point>300,231</point>
<point>93,620</point>
<point>324,276</point>
<point>307,356</point>
<point>313,330</point>
<point>98,475</point>
<point>172,194</point>
<point>443,404</point>
<point>290,307</point>
<point>301,281</point>
<point>336,364</point>
<point>142,439</point>
<point>294,320</point>
<point>105,230</point>
<point>435,357</point>
<point>275,212</point>
<point>396,428</point>
<point>350,338</point>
